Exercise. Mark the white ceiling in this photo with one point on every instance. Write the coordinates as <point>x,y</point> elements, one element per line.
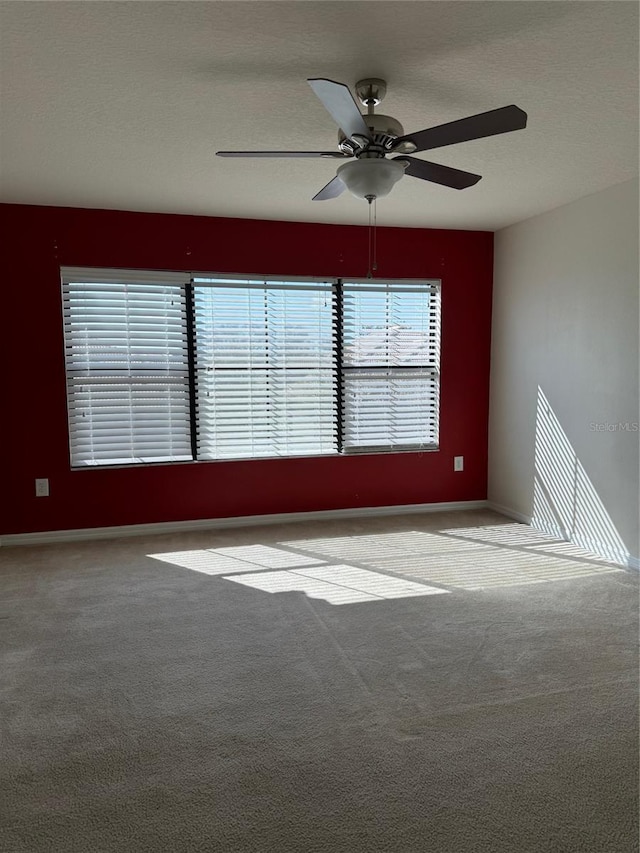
<point>122,104</point>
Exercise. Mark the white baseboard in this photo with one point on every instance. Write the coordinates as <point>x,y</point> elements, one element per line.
<point>510,513</point>
<point>628,561</point>
<point>47,536</point>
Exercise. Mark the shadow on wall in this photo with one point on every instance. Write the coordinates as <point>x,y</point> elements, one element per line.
<point>565,503</point>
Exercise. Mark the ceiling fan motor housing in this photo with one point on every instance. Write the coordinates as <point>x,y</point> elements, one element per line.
<point>384,130</point>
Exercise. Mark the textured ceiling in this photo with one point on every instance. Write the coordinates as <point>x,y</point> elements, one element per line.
<point>123,104</point>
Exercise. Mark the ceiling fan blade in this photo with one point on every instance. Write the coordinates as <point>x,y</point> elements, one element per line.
<point>341,105</point>
<point>331,190</point>
<point>490,123</point>
<point>437,174</point>
<point>331,154</point>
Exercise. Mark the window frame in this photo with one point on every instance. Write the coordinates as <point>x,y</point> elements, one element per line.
<point>124,376</point>
<point>409,285</point>
<point>187,281</point>
<point>261,282</point>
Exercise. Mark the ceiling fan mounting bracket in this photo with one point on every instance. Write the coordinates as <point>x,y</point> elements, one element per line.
<point>371,91</point>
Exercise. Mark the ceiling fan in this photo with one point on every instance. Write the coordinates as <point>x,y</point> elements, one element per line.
<point>366,140</point>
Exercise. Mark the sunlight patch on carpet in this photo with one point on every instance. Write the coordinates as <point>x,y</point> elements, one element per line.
<point>340,584</point>
<point>468,558</point>
<point>268,557</point>
<point>220,561</point>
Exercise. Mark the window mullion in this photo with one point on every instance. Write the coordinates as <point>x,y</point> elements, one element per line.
<point>191,365</point>
<point>338,319</point>
<point>272,437</point>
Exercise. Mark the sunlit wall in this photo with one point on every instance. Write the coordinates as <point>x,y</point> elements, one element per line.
<point>564,420</point>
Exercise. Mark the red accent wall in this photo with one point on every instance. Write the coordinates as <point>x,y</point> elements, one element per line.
<point>38,240</point>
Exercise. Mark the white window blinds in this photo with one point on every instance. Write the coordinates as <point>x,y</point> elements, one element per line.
<point>165,367</point>
<point>265,368</point>
<point>127,366</point>
<point>390,365</point>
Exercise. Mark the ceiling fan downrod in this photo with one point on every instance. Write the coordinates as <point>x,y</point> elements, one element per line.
<point>383,129</point>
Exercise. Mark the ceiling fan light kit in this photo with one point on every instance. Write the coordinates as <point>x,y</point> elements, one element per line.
<point>370,138</point>
<point>371,178</point>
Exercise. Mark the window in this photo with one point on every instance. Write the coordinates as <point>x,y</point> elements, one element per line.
<point>127,367</point>
<point>169,367</point>
<point>390,365</point>
<point>265,368</point>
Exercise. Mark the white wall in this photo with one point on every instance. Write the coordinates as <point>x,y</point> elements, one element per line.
<point>566,321</point>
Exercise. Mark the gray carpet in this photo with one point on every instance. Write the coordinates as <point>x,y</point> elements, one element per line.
<point>147,706</point>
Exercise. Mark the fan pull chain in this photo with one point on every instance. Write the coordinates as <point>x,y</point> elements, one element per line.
<point>372,254</point>
<point>369,273</point>
<point>375,234</point>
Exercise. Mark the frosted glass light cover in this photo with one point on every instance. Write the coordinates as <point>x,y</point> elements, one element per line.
<point>371,177</point>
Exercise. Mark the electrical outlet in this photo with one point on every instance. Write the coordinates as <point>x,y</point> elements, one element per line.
<point>458,463</point>
<point>42,488</point>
